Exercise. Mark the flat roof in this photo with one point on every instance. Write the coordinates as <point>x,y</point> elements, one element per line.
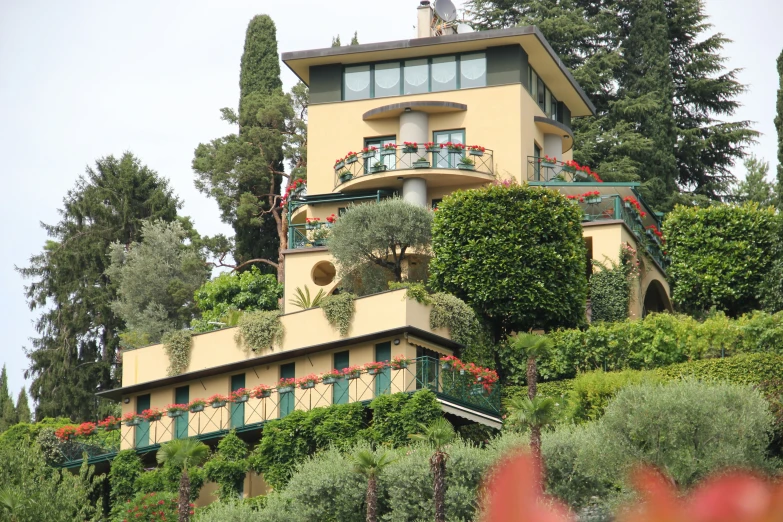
<point>541,57</point>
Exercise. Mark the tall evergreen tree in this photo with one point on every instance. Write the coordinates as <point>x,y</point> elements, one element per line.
<point>75,351</point>
<point>5,398</point>
<point>779,128</point>
<point>23,407</point>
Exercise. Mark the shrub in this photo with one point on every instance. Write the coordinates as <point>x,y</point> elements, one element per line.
<point>719,256</point>
<point>610,289</point>
<point>150,506</point>
<point>228,466</point>
<point>591,392</point>
<point>396,416</point>
<point>260,330</point>
<point>125,470</point>
<point>177,347</point>
<point>687,428</point>
<point>227,512</point>
<point>515,254</point>
<point>339,310</point>
<point>452,313</point>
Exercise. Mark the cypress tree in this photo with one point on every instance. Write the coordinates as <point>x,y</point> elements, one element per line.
<point>260,65</point>
<point>355,39</point>
<point>5,397</point>
<point>779,128</point>
<point>23,407</point>
<point>336,41</point>
<point>8,417</point>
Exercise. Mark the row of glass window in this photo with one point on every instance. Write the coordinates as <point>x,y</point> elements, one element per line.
<point>543,96</point>
<point>444,159</point>
<point>442,73</point>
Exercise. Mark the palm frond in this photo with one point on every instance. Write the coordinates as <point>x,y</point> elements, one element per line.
<point>304,301</point>
<point>438,434</point>
<point>183,453</point>
<point>367,463</point>
<point>525,413</point>
<point>532,345</point>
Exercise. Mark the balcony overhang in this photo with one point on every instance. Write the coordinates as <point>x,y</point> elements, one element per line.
<point>435,178</point>
<point>550,126</point>
<point>430,107</point>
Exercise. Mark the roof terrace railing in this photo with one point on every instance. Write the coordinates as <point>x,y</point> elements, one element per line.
<point>402,157</point>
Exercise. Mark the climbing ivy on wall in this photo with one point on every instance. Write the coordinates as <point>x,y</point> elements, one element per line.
<point>177,347</point>
<point>339,310</point>
<point>260,330</point>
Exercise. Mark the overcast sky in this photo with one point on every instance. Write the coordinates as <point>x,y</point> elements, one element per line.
<point>84,79</point>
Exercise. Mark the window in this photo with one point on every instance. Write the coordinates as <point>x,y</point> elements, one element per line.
<point>340,389</point>
<point>473,70</point>
<point>443,159</point>
<point>357,83</point>
<point>541,94</point>
<point>444,73</point>
<point>287,371</point>
<point>417,76</point>
<point>390,160</point>
<point>547,102</point>
<point>435,203</point>
<point>387,80</point>
<point>533,84</point>
<point>553,109</point>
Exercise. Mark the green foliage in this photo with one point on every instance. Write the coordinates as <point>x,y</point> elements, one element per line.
<point>452,313</point>
<point>155,279</point>
<point>260,330</point>
<point>228,466</point>
<point>248,291</point>
<point>5,397</point>
<point>23,407</point>
<point>290,440</point>
<point>591,392</point>
<point>755,186</point>
<point>69,287</point>
<point>228,512</point>
<point>416,291</point>
<point>396,416</point>
<point>125,470</point>
<point>610,293</point>
<point>149,507</point>
<point>531,237</point>
<point>719,256</point>
<point>304,301</point>
<point>525,413</point>
<point>383,236</point>
<point>259,68</point>
<point>27,434</point>
<point>177,346</point>
<point>183,453</point>
<point>339,310</point>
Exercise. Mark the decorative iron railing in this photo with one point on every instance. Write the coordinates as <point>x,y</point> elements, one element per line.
<point>405,158</point>
<point>304,235</point>
<point>541,169</point>
<point>212,422</point>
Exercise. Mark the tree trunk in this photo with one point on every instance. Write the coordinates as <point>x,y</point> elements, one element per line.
<point>372,499</point>
<point>535,449</point>
<point>184,497</point>
<point>532,377</point>
<point>438,465</point>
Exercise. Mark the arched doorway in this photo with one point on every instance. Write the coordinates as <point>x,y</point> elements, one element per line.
<point>655,299</point>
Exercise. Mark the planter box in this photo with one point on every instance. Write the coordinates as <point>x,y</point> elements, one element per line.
<point>307,385</point>
<point>352,376</point>
<point>175,414</point>
<point>243,398</point>
<point>197,409</point>
<point>410,150</point>
<point>566,168</point>
<point>399,366</point>
<point>547,164</point>
<point>340,165</point>
<point>282,390</point>
<point>331,380</point>
<point>263,394</point>
<point>378,168</point>
<point>154,418</point>
<point>346,177</point>
<point>421,164</point>
<point>465,166</point>
<point>111,427</point>
<point>475,153</point>
<point>388,152</point>
<point>445,365</point>
<point>350,160</point>
<point>374,371</point>
<point>134,422</point>
<point>436,148</point>
<point>218,404</point>
<point>368,155</point>
<point>593,200</point>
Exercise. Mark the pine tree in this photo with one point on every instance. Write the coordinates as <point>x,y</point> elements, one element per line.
<point>8,417</point>
<point>23,407</point>
<point>336,41</point>
<point>779,128</point>
<point>5,397</point>
<point>75,351</point>
<point>355,39</point>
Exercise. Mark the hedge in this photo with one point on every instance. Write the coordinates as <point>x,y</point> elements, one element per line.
<point>656,341</point>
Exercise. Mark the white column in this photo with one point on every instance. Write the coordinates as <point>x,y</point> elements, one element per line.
<point>553,146</point>
<point>414,191</point>
<point>414,128</point>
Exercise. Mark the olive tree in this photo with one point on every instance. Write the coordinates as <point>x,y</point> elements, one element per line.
<point>372,242</point>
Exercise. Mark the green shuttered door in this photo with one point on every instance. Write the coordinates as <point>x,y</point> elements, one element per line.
<point>287,400</point>
<point>340,388</point>
<point>181,396</point>
<point>143,429</point>
<point>237,409</point>
<point>383,379</point>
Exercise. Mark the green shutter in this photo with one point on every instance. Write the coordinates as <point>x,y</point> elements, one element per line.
<point>181,396</point>
<point>383,379</point>
<point>287,400</point>
<point>340,393</point>
<point>143,429</point>
<point>237,409</point>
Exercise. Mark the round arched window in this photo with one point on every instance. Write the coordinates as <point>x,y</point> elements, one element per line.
<point>324,273</point>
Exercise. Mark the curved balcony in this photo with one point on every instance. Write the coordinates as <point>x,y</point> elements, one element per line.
<point>440,166</point>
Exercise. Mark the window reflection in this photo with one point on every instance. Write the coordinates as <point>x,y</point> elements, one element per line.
<point>473,70</point>
<point>387,79</point>
<point>357,82</point>
<point>444,73</point>
<point>416,76</point>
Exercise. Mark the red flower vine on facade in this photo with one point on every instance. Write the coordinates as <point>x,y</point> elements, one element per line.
<point>635,204</point>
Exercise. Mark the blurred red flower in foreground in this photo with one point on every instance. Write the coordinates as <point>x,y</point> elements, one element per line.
<point>515,496</point>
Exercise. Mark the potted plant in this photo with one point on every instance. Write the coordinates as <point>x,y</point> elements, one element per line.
<point>421,163</point>
<point>448,362</point>
<point>66,432</point>
<point>592,198</point>
<point>369,152</point>
<point>131,419</point>
<point>378,167</point>
<point>331,377</point>
<point>570,166</point>
<point>465,163</point>
<point>85,429</point>
<point>410,147</point>
<point>176,410</point>
<point>352,372</point>
<point>338,164</point>
<point>399,362</point>
<point>307,382</point>
<point>286,385</point>
<point>312,223</point>
<point>547,162</point>
<point>374,368</point>
<point>432,147</point>
<point>351,157</point>
<point>262,391</point>
<point>197,405</point>
<point>389,149</point>
<point>344,176</point>
<point>240,395</point>
<point>152,414</point>
<point>217,400</point>
<point>454,147</point>
<point>476,150</point>
<point>110,423</point>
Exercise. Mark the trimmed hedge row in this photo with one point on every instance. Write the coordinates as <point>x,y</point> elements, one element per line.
<point>656,341</point>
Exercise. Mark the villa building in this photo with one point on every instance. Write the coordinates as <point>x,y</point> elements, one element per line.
<point>501,104</point>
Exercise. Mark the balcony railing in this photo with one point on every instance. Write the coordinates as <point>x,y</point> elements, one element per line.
<point>403,158</point>
<point>612,207</point>
<point>539,169</point>
<point>421,373</point>
<point>302,235</point>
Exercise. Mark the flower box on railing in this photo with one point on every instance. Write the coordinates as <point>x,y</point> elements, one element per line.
<point>368,153</point>
<point>389,149</point>
<point>332,376</point>
<point>173,414</point>
<point>217,401</point>
<point>352,372</point>
<point>339,165</point>
<point>432,147</point>
<point>466,166</point>
<point>133,422</point>
<point>351,158</point>
<point>400,362</point>
<point>476,150</point>
<point>410,148</point>
<point>378,167</point>
<point>547,164</point>
<point>282,390</point>
<point>345,176</point>
<point>421,164</point>
<point>197,408</point>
